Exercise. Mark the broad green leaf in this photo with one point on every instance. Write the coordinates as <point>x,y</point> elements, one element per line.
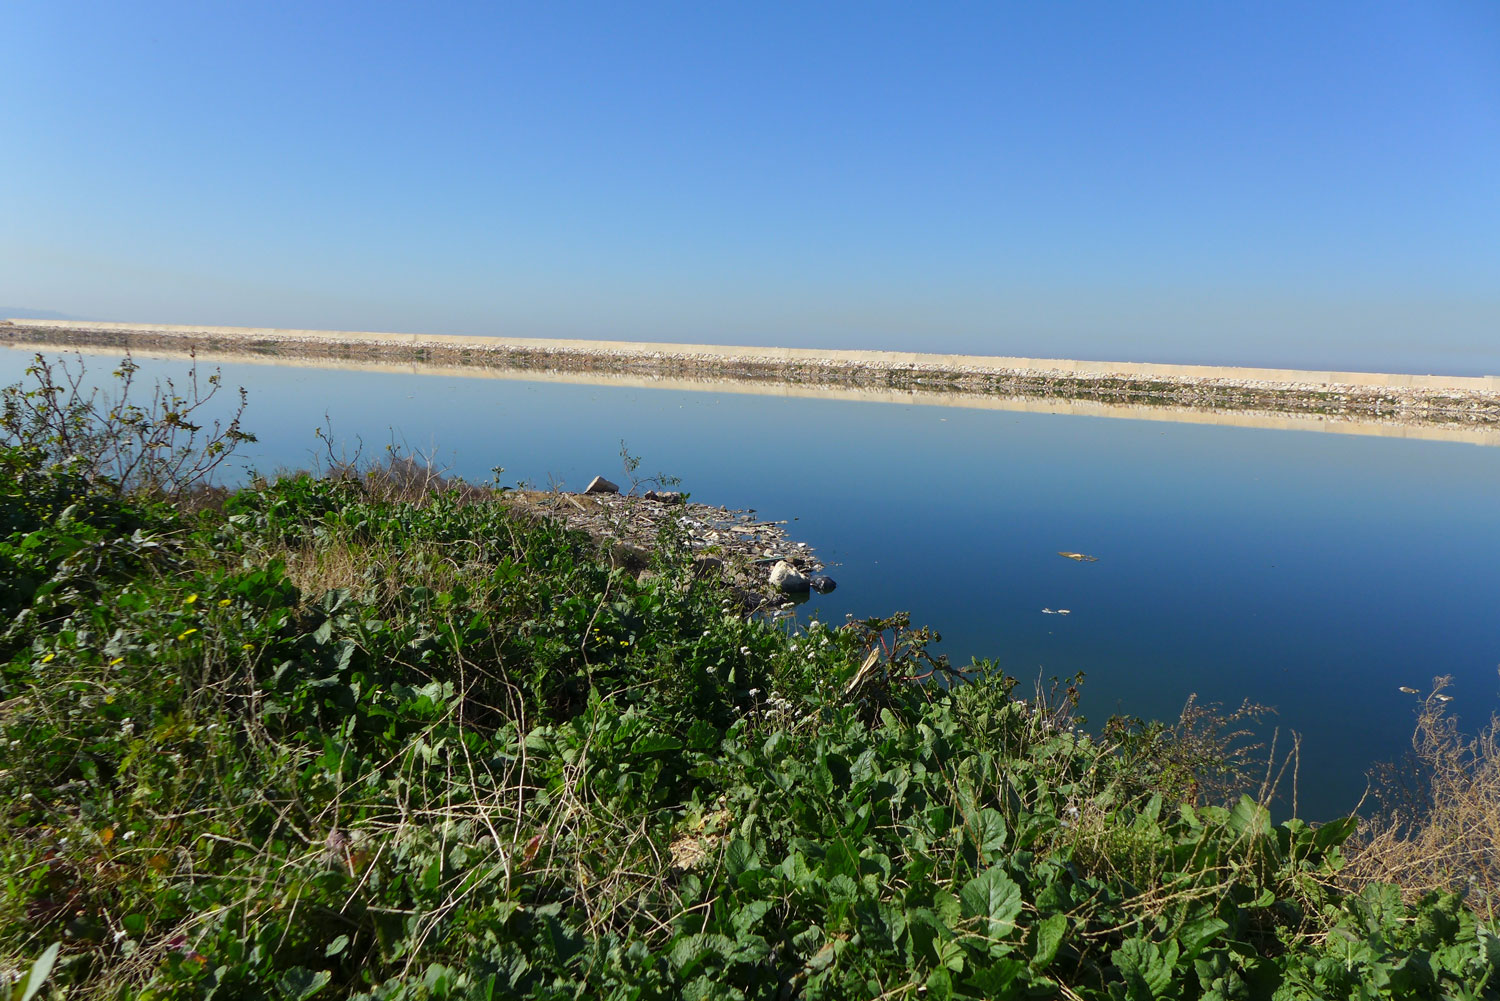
<point>995,978</point>
<point>299,983</point>
<point>1147,973</point>
<point>841,887</point>
<point>1335,832</point>
<point>993,897</point>
<point>1250,818</point>
<point>746,918</point>
<point>947,906</point>
<point>652,743</point>
<point>1047,936</point>
<point>433,876</point>
<point>989,830</point>
<point>1196,934</point>
<point>739,856</point>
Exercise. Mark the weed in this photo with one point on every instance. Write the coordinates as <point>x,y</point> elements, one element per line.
<point>1437,828</point>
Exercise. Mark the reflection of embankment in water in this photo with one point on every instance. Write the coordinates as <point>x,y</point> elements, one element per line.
<point>1488,434</point>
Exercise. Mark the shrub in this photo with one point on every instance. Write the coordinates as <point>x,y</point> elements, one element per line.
<point>111,441</point>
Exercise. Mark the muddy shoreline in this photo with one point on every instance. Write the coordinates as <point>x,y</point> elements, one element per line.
<point>1405,401</point>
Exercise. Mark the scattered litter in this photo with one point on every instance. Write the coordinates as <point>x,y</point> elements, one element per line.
<point>1443,698</point>
<point>742,547</point>
<point>1080,557</point>
<point>1064,611</point>
<point>1408,691</point>
<point>1048,611</point>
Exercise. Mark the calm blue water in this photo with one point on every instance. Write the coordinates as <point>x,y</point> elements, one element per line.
<point>1314,573</point>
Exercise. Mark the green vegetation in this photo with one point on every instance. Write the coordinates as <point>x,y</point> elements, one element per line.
<point>377,734</point>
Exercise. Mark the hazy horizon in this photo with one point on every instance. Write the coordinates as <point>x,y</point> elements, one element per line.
<point>1271,184</point>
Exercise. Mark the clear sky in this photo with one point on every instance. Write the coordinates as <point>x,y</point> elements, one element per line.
<point>1280,183</point>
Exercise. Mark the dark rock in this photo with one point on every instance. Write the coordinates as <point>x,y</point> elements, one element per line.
<point>623,556</point>
<point>821,583</point>
<point>707,566</point>
<point>599,485</point>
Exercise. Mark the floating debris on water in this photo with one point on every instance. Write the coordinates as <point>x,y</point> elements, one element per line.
<point>1064,611</point>
<point>1408,691</point>
<point>1048,611</point>
<point>1080,557</point>
<point>1443,698</point>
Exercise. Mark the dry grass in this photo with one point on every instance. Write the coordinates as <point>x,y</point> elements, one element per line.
<point>402,478</point>
<point>318,569</point>
<point>1438,827</point>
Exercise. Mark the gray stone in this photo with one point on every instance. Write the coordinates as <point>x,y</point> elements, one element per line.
<point>786,577</point>
<point>624,556</point>
<point>599,485</point>
<point>664,496</point>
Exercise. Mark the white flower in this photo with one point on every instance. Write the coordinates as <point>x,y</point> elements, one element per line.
<point>754,692</point>
<point>744,649</point>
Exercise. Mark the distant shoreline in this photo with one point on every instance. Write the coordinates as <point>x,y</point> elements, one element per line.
<point>1322,397</point>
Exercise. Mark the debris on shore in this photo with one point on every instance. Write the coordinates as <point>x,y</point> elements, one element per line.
<point>765,569</point>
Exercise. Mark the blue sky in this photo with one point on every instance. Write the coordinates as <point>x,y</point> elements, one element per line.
<point>1278,183</point>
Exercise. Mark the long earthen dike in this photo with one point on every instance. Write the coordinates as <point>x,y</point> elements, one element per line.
<point>1457,408</point>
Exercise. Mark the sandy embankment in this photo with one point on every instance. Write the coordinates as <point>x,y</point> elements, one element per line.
<point>1427,406</point>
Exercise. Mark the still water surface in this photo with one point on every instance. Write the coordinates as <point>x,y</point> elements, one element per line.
<point>1315,573</point>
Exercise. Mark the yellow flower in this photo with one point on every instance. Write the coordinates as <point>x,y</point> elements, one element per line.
<point>190,599</point>
<point>48,658</point>
<point>223,602</point>
<point>248,646</point>
<point>109,700</point>
<point>185,635</point>
<point>117,660</point>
